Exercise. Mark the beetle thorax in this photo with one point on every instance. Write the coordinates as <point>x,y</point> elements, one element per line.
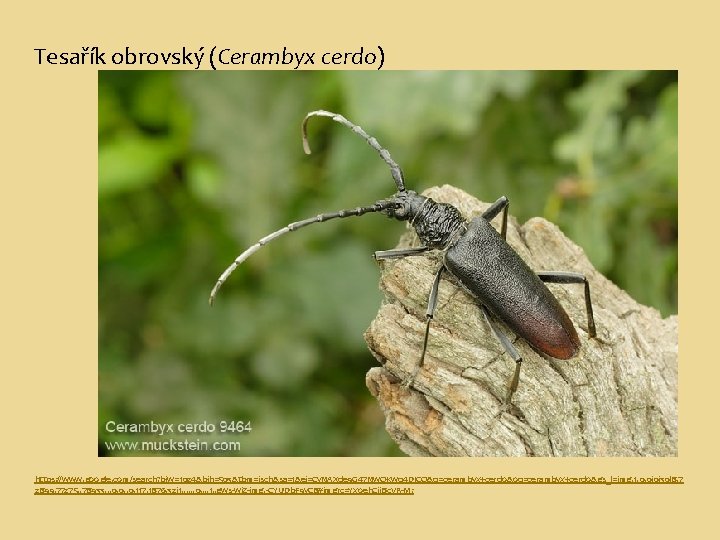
<point>435,223</point>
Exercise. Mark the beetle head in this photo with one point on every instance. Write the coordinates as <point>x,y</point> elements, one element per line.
<point>406,205</point>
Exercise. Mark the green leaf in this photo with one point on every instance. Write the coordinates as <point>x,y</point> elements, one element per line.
<point>204,178</point>
<point>131,162</point>
<point>596,105</point>
<point>154,100</point>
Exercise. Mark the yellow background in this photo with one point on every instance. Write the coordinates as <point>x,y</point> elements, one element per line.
<point>49,270</point>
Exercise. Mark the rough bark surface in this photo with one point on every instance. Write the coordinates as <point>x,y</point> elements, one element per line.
<point>617,397</point>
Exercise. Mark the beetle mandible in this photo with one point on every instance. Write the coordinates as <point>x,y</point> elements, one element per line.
<point>505,287</point>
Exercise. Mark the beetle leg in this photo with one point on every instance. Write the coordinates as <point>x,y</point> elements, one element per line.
<point>501,204</point>
<point>572,277</point>
<point>399,253</point>
<point>511,350</point>
<point>432,304</point>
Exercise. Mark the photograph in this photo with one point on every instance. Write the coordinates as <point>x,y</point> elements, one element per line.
<point>387,263</point>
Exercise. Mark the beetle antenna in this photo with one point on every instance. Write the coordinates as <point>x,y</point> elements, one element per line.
<point>372,141</point>
<point>379,206</point>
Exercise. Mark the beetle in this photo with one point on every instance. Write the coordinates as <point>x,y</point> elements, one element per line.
<point>477,255</point>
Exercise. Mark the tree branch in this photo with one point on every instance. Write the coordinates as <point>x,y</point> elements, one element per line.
<point>617,397</point>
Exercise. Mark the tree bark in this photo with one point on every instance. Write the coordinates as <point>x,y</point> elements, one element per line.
<point>617,397</point>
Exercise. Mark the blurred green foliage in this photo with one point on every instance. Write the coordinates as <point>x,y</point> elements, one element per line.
<point>196,166</point>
